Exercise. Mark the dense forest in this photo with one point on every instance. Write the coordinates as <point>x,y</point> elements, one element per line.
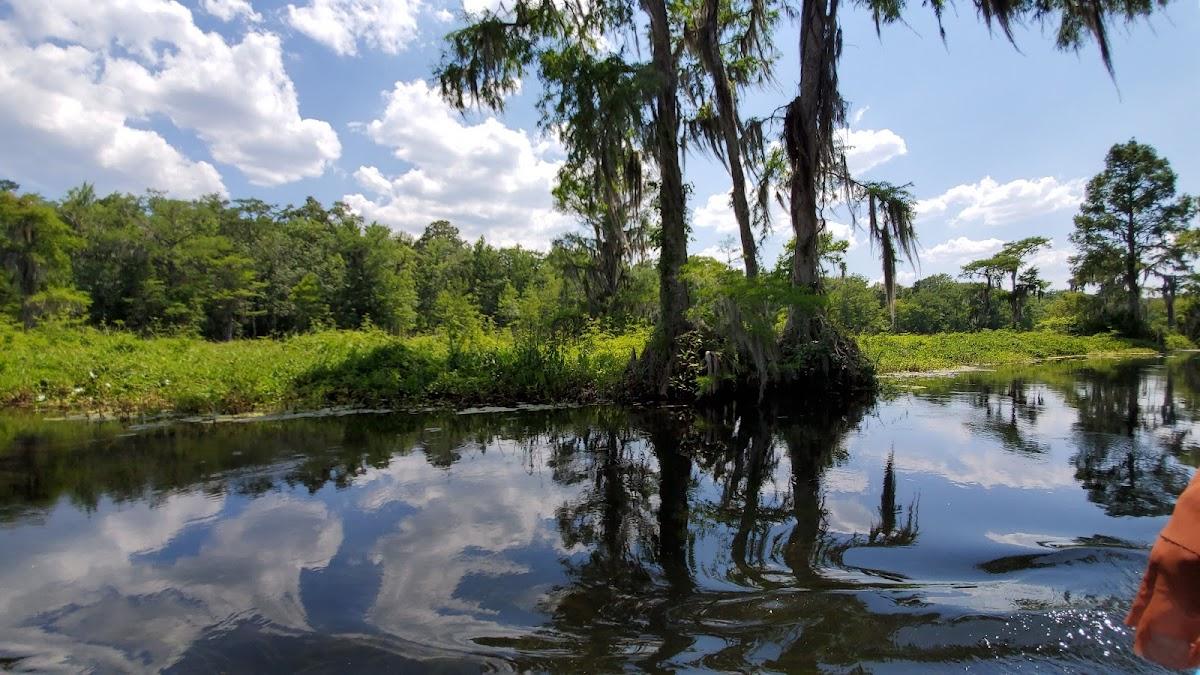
<point>231,269</point>
<point>228,269</point>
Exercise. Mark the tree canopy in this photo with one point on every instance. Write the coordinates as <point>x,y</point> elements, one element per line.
<point>1129,227</point>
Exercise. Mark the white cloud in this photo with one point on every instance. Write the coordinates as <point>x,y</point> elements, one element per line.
<point>477,7</point>
<point>444,15</point>
<point>903,278</point>
<point>722,253</point>
<point>93,583</point>
<point>228,10</point>
<point>842,231</point>
<point>869,148</point>
<point>848,516</point>
<point>386,25</point>
<point>484,178</point>
<point>1054,264</point>
<point>858,115</point>
<point>716,214</point>
<point>992,203</point>
<point>58,121</point>
<point>844,480</point>
<point>1029,540</point>
<point>138,26</point>
<point>241,102</point>
<point>423,565</point>
<point>83,104</point>
<point>961,249</point>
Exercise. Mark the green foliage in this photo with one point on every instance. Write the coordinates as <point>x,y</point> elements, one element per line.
<point>58,304</point>
<point>458,317</point>
<point>890,226</point>
<point>308,302</point>
<point>740,318</point>
<point>898,353</point>
<point>832,252</point>
<point>1175,341</point>
<point>88,369</point>
<point>245,268</point>
<point>1068,312</point>
<point>1127,229</point>
<point>854,306</point>
<point>35,264</point>
<point>1189,323</point>
<point>935,304</point>
<point>1024,283</point>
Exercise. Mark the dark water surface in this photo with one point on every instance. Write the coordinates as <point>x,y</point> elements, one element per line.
<point>997,521</point>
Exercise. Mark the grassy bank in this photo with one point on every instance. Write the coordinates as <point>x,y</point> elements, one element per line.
<point>915,353</point>
<point>83,369</point>
<point>92,370</point>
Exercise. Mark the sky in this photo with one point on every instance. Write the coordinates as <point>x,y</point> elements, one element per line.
<point>335,99</point>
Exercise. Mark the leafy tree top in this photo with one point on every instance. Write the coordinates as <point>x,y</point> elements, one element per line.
<point>1130,218</point>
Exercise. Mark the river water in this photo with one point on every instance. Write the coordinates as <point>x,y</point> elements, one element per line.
<point>996,521</point>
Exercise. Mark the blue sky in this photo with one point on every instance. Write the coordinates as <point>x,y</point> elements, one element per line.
<point>331,98</point>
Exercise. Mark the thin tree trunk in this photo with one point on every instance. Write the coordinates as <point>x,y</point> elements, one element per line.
<point>1131,282</point>
<point>1169,299</point>
<point>727,113</point>
<point>986,320</point>
<point>1016,303</point>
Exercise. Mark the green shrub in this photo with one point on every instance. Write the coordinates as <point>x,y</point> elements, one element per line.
<point>896,353</point>
<point>1175,341</point>
<point>90,369</point>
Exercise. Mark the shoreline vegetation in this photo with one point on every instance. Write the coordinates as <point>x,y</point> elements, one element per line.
<point>911,353</point>
<point>593,317</point>
<point>114,373</point>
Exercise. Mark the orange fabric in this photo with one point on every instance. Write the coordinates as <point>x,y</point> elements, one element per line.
<point>1184,526</point>
<point>1166,612</point>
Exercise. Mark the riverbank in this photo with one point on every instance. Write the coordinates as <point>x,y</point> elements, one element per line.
<point>94,371</point>
<point>117,373</point>
<point>956,351</point>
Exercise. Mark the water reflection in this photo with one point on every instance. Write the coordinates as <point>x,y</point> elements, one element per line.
<point>1128,432</point>
<point>997,520</point>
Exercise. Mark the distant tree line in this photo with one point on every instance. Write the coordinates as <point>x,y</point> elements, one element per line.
<point>1137,252</point>
<point>245,268</point>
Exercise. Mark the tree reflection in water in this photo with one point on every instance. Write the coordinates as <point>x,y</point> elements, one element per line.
<point>740,538</point>
<point>1134,423</point>
<point>646,592</point>
<point>1128,436</point>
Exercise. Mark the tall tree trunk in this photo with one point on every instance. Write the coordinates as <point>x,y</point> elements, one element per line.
<point>1134,297</point>
<point>674,475</point>
<point>673,296</point>
<point>802,126</point>
<point>985,321</point>
<point>1016,303</point>
<point>1169,299</point>
<point>761,440</point>
<point>727,113</point>
<point>673,550</point>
